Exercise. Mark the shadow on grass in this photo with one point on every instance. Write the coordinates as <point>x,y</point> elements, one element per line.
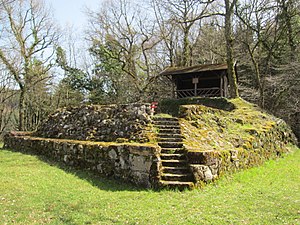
<point>96,180</point>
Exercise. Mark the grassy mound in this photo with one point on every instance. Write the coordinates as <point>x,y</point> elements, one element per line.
<point>245,127</point>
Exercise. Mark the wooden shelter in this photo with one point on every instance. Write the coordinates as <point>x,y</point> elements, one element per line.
<point>207,80</point>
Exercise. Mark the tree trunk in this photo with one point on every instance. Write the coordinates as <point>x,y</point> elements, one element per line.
<point>288,23</point>
<point>229,50</point>
<point>21,109</point>
<point>258,80</point>
<point>186,46</point>
<point>259,84</point>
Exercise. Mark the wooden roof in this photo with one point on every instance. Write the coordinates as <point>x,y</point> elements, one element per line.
<point>193,69</point>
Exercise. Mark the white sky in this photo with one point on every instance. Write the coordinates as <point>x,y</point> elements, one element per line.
<point>71,12</point>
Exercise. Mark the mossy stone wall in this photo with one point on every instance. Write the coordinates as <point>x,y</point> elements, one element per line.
<point>219,141</point>
<point>172,106</point>
<point>98,123</point>
<point>135,163</point>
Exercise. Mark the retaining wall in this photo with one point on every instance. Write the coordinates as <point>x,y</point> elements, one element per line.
<point>219,142</point>
<point>207,166</point>
<point>135,163</point>
<point>216,141</point>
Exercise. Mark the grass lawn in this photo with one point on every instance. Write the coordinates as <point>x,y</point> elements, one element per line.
<point>33,191</point>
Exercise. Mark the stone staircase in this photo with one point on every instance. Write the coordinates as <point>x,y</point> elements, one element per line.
<point>175,172</point>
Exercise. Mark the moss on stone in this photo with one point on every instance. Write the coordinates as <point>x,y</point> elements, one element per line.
<point>220,136</point>
<point>172,106</point>
<point>246,127</point>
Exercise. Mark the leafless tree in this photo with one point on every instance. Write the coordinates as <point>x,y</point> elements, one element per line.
<point>129,37</point>
<point>257,22</point>
<point>229,9</point>
<point>28,36</point>
<point>178,19</point>
<point>288,16</point>
<point>7,100</point>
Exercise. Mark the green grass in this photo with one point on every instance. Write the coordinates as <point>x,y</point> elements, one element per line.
<point>34,191</point>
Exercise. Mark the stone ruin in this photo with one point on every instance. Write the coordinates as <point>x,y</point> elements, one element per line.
<point>111,140</point>
<point>125,142</point>
<point>108,123</point>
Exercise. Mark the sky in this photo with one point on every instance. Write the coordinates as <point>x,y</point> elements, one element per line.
<point>71,12</point>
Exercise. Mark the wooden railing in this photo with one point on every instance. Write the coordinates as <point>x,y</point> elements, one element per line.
<point>203,92</point>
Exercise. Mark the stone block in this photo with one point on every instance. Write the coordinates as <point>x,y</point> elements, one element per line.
<point>112,154</point>
<point>139,163</point>
<point>202,173</point>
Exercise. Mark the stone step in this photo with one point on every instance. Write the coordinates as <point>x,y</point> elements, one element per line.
<point>165,135</point>
<point>167,126</point>
<point>176,177</point>
<point>172,156</point>
<point>176,185</point>
<point>169,139</point>
<point>173,162</point>
<point>165,119</point>
<point>178,169</point>
<point>172,151</point>
<point>165,122</point>
<point>170,144</point>
<point>169,131</point>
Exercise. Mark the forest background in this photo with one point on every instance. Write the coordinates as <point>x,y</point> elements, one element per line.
<point>128,43</point>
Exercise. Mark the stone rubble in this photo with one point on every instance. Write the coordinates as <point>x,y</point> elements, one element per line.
<point>108,123</point>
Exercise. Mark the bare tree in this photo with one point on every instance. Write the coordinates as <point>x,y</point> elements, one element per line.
<point>28,35</point>
<point>229,7</point>
<point>7,101</point>
<point>268,30</point>
<point>210,44</point>
<point>183,16</point>
<point>257,22</point>
<point>288,16</point>
<point>125,37</point>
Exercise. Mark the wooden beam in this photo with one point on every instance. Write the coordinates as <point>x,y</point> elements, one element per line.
<point>173,90</point>
<point>225,87</point>
<point>221,86</point>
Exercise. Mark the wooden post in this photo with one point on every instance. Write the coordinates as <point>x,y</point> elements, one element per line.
<point>221,85</point>
<point>173,90</point>
<point>173,83</point>
<point>225,87</point>
<point>195,82</point>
